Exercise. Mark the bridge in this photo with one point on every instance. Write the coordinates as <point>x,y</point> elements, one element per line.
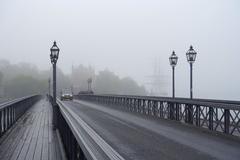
<point>119,127</point>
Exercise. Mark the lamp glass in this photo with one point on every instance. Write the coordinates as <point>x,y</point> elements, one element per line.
<point>173,59</point>
<point>191,55</point>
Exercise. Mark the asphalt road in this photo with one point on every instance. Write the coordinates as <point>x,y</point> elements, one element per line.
<point>138,137</point>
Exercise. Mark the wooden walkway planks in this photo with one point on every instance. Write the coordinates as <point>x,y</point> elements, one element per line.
<point>32,137</point>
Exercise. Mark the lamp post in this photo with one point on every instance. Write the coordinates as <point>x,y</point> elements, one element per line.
<point>173,62</point>
<point>54,57</point>
<point>191,57</point>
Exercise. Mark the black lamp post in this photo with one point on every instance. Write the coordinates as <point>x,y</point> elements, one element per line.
<point>54,57</point>
<point>191,57</point>
<point>173,62</point>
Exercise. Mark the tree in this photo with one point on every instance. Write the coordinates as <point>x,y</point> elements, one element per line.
<point>130,87</point>
<point>109,83</point>
<point>25,85</point>
<point>24,79</point>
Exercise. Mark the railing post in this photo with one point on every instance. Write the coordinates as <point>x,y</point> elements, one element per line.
<point>0,123</point>
<point>125,103</point>
<point>226,121</point>
<point>11,115</point>
<point>74,147</point>
<point>138,105</point>
<point>210,121</point>
<point>198,120</point>
<point>144,105</point>
<point>4,120</point>
<point>190,114</point>
<point>8,117</point>
<point>161,110</point>
<point>158,108</point>
<point>55,116</point>
<point>177,112</point>
<point>148,106</point>
<point>171,105</point>
<point>14,114</point>
<point>154,108</point>
<point>135,105</point>
<point>141,106</point>
<point>131,105</point>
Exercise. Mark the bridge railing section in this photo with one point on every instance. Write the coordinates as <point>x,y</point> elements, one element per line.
<point>70,138</point>
<point>215,115</point>
<point>12,110</point>
<point>80,141</point>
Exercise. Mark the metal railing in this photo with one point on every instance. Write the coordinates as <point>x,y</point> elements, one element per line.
<point>80,141</point>
<point>67,132</point>
<point>12,110</point>
<point>69,136</point>
<point>215,115</point>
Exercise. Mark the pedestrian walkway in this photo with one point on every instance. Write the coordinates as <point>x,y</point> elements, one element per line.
<point>32,137</point>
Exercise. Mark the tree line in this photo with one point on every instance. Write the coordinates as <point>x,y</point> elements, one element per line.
<point>22,79</point>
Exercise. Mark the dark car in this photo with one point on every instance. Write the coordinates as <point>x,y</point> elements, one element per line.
<point>66,96</point>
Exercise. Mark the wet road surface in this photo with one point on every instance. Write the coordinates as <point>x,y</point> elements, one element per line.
<point>138,137</point>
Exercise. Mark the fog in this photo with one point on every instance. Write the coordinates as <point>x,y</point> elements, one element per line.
<point>129,37</point>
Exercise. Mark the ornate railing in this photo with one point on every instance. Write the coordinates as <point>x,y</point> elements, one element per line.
<point>12,110</point>
<point>215,115</point>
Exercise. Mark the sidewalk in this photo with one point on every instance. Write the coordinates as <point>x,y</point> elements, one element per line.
<point>32,137</point>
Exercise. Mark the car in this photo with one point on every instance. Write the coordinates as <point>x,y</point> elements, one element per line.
<point>66,96</point>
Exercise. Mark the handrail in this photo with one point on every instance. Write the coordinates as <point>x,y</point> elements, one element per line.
<point>216,115</point>
<point>211,102</point>
<point>7,103</point>
<point>169,98</point>
<point>80,140</point>
<point>177,98</point>
<point>12,110</point>
<point>75,140</point>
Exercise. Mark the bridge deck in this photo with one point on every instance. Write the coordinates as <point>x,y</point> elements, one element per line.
<point>32,137</point>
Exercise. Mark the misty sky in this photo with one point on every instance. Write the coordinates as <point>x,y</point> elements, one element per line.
<point>127,36</point>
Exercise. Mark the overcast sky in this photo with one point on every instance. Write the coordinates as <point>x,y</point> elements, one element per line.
<point>127,36</point>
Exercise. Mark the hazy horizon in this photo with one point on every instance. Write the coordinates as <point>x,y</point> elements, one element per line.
<point>127,37</point>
